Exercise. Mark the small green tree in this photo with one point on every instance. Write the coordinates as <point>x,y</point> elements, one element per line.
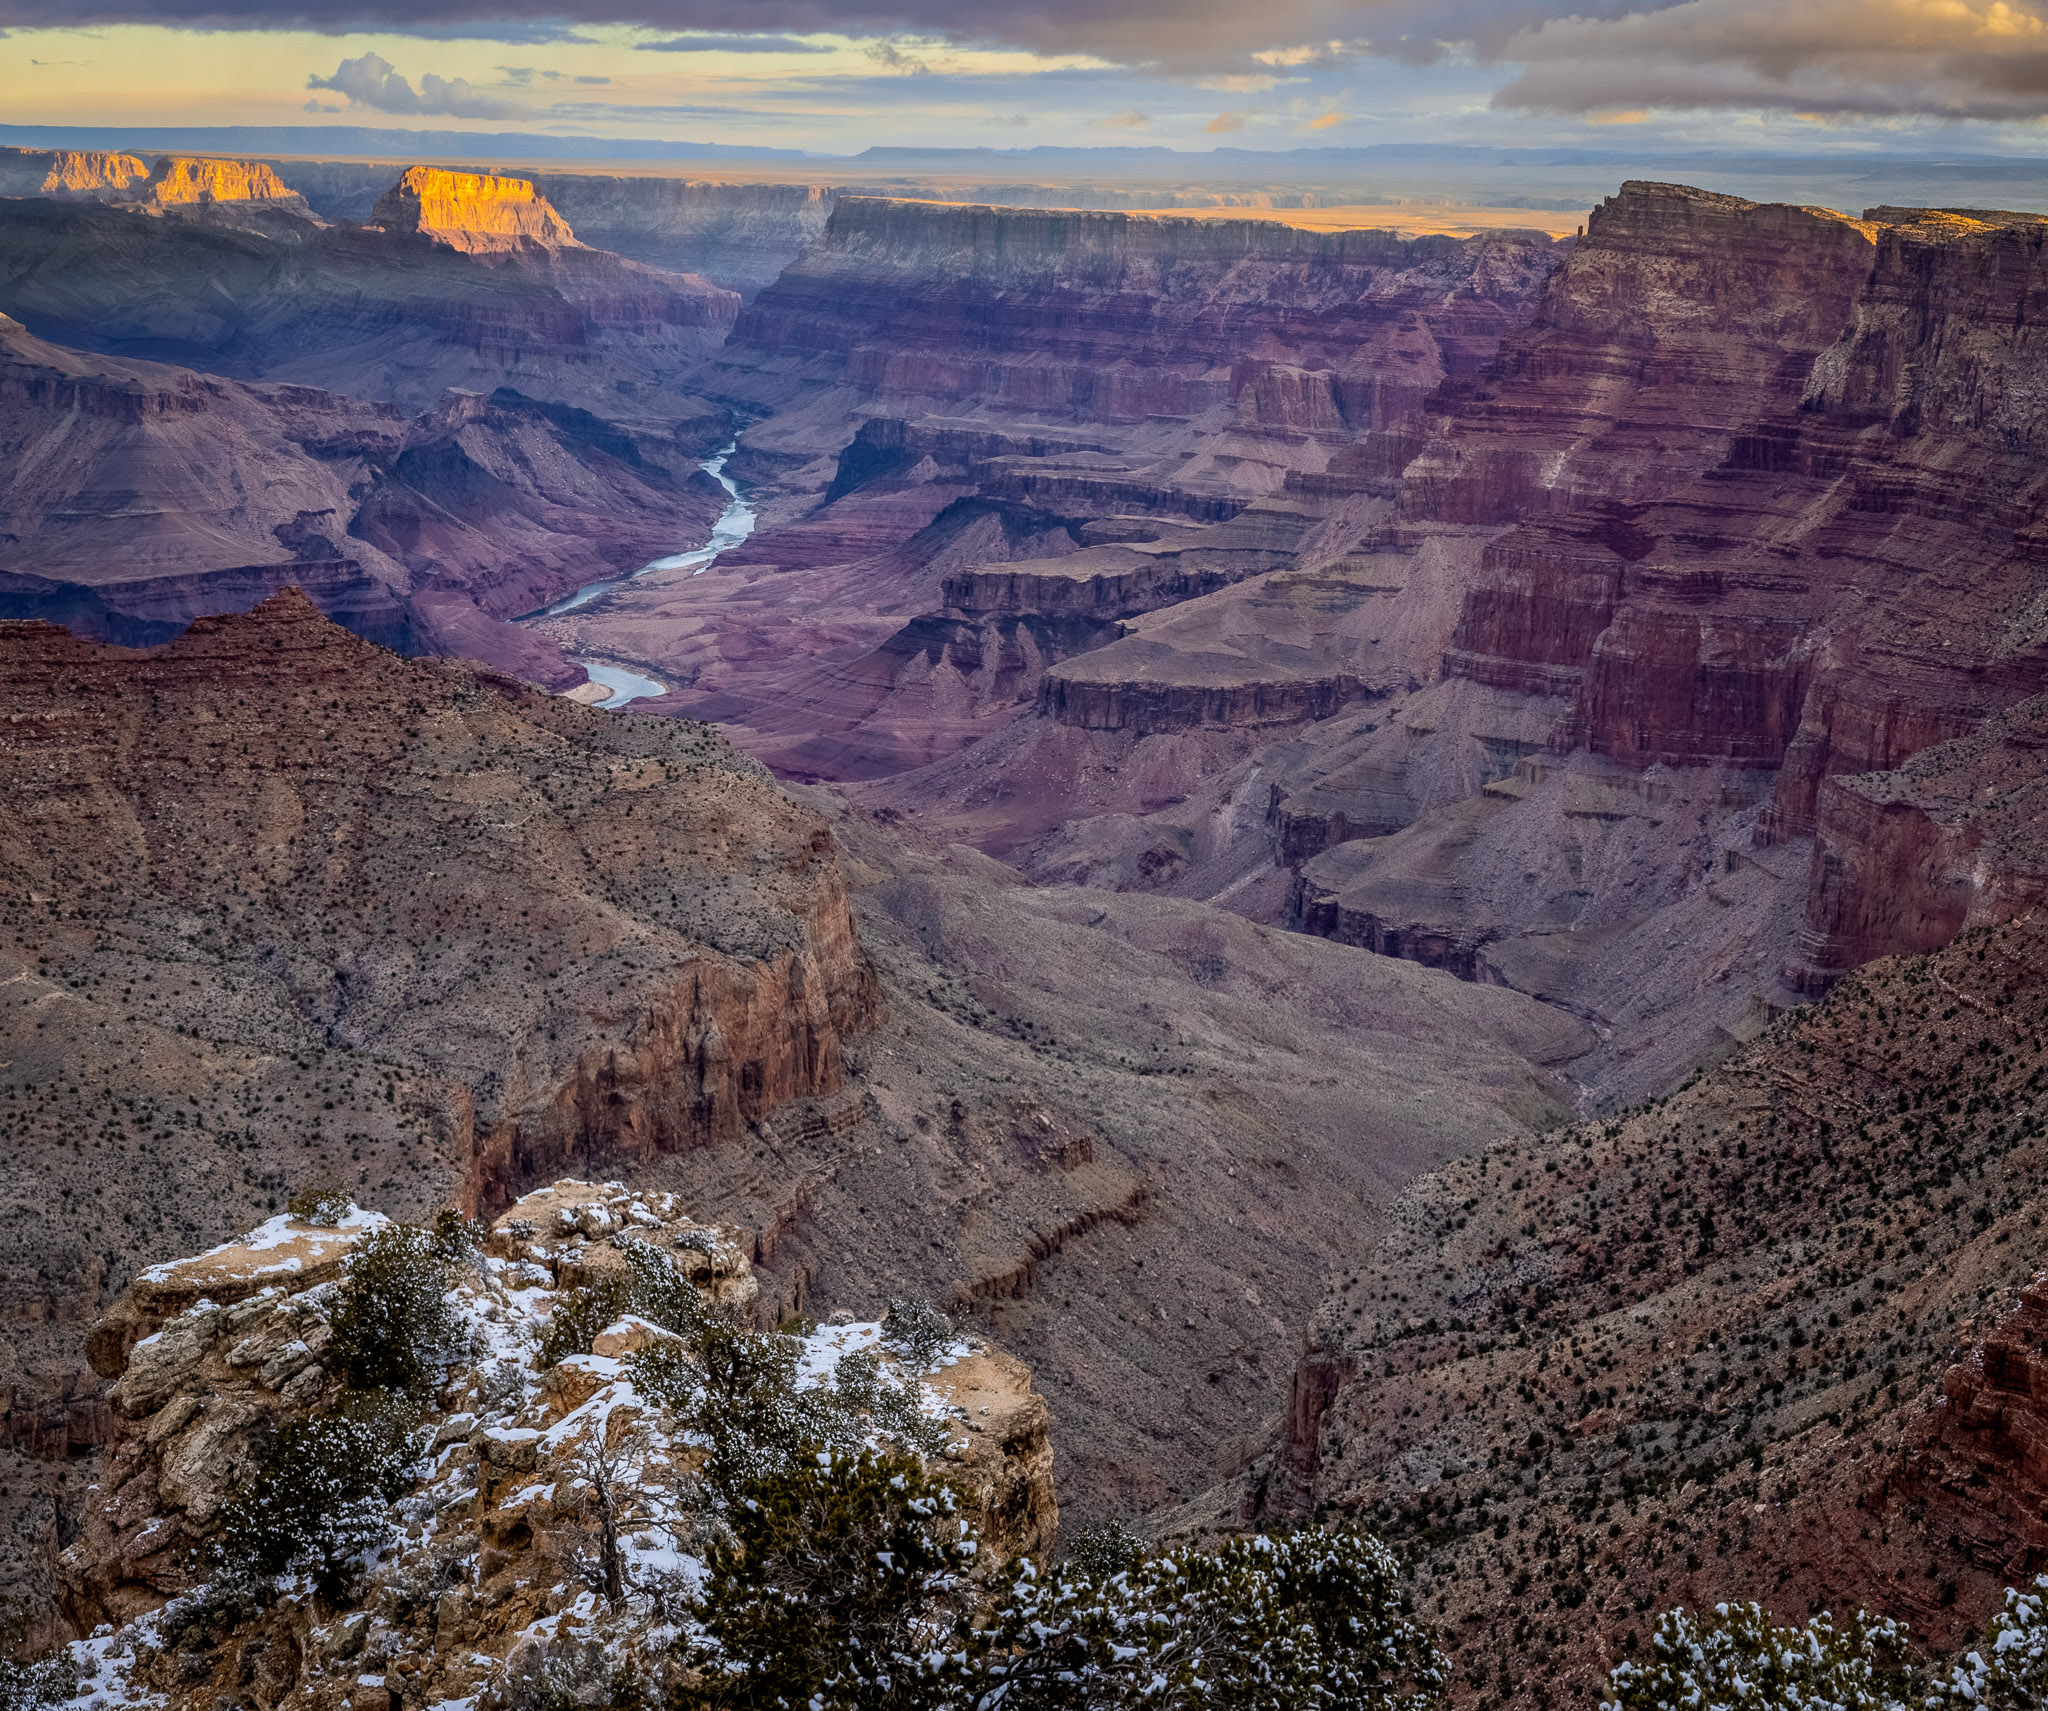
<point>319,1503</point>
<point>392,1326</point>
<point>1737,1659</point>
<point>918,1332</point>
<point>838,1586</point>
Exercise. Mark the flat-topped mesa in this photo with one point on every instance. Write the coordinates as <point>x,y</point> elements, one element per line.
<point>182,181</point>
<point>474,212</point>
<point>69,172</point>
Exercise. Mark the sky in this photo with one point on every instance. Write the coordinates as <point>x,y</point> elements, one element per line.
<point>835,76</point>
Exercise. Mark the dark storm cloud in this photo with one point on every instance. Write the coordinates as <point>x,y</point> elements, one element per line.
<point>1172,34</point>
<point>1956,59</point>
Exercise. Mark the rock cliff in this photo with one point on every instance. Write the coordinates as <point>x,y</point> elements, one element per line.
<point>245,194</point>
<point>1776,1336</point>
<point>472,212</point>
<point>236,1347</point>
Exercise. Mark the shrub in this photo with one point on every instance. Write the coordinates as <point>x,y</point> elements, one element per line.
<point>325,1204</point>
<point>2010,1673</point>
<point>648,1285</point>
<point>393,1329</point>
<point>836,1589</point>
<point>1103,1552</point>
<point>1736,1660</point>
<point>1291,1624</point>
<point>918,1332</point>
<point>319,1502</point>
<point>739,1389</point>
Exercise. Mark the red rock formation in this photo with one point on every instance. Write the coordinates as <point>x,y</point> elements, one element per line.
<point>1114,318</point>
<point>472,212</point>
<point>1955,838</point>
<point>1977,1469</point>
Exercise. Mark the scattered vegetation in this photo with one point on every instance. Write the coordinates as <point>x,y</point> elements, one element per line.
<point>43,1681</point>
<point>1736,1659</point>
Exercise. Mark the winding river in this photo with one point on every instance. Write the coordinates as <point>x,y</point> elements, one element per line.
<point>734,525</point>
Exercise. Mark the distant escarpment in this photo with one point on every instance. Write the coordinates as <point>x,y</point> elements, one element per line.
<point>1778,1336</point>
<point>240,193</point>
<point>1119,318</point>
<point>397,315</point>
<point>135,497</point>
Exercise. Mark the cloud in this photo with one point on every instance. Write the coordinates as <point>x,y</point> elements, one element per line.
<point>1131,121</point>
<point>372,81</point>
<point>1224,123</point>
<point>1952,59</point>
<point>893,58</point>
<point>732,44</point>
<point>1982,59</point>
<point>1325,121</point>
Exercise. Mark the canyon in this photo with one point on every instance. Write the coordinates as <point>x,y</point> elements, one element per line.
<point>1499,769</point>
<point>283,907</point>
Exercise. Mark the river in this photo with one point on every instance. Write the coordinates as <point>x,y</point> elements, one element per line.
<point>734,525</point>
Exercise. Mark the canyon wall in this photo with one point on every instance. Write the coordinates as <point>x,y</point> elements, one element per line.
<point>476,213</point>
<point>1119,318</point>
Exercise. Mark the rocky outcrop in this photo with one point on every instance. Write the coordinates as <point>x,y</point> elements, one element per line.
<point>472,212</point>
<point>69,172</point>
<point>202,1396</point>
<point>244,194</point>
<point>424,534</point>
<point>1977,1465</point>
